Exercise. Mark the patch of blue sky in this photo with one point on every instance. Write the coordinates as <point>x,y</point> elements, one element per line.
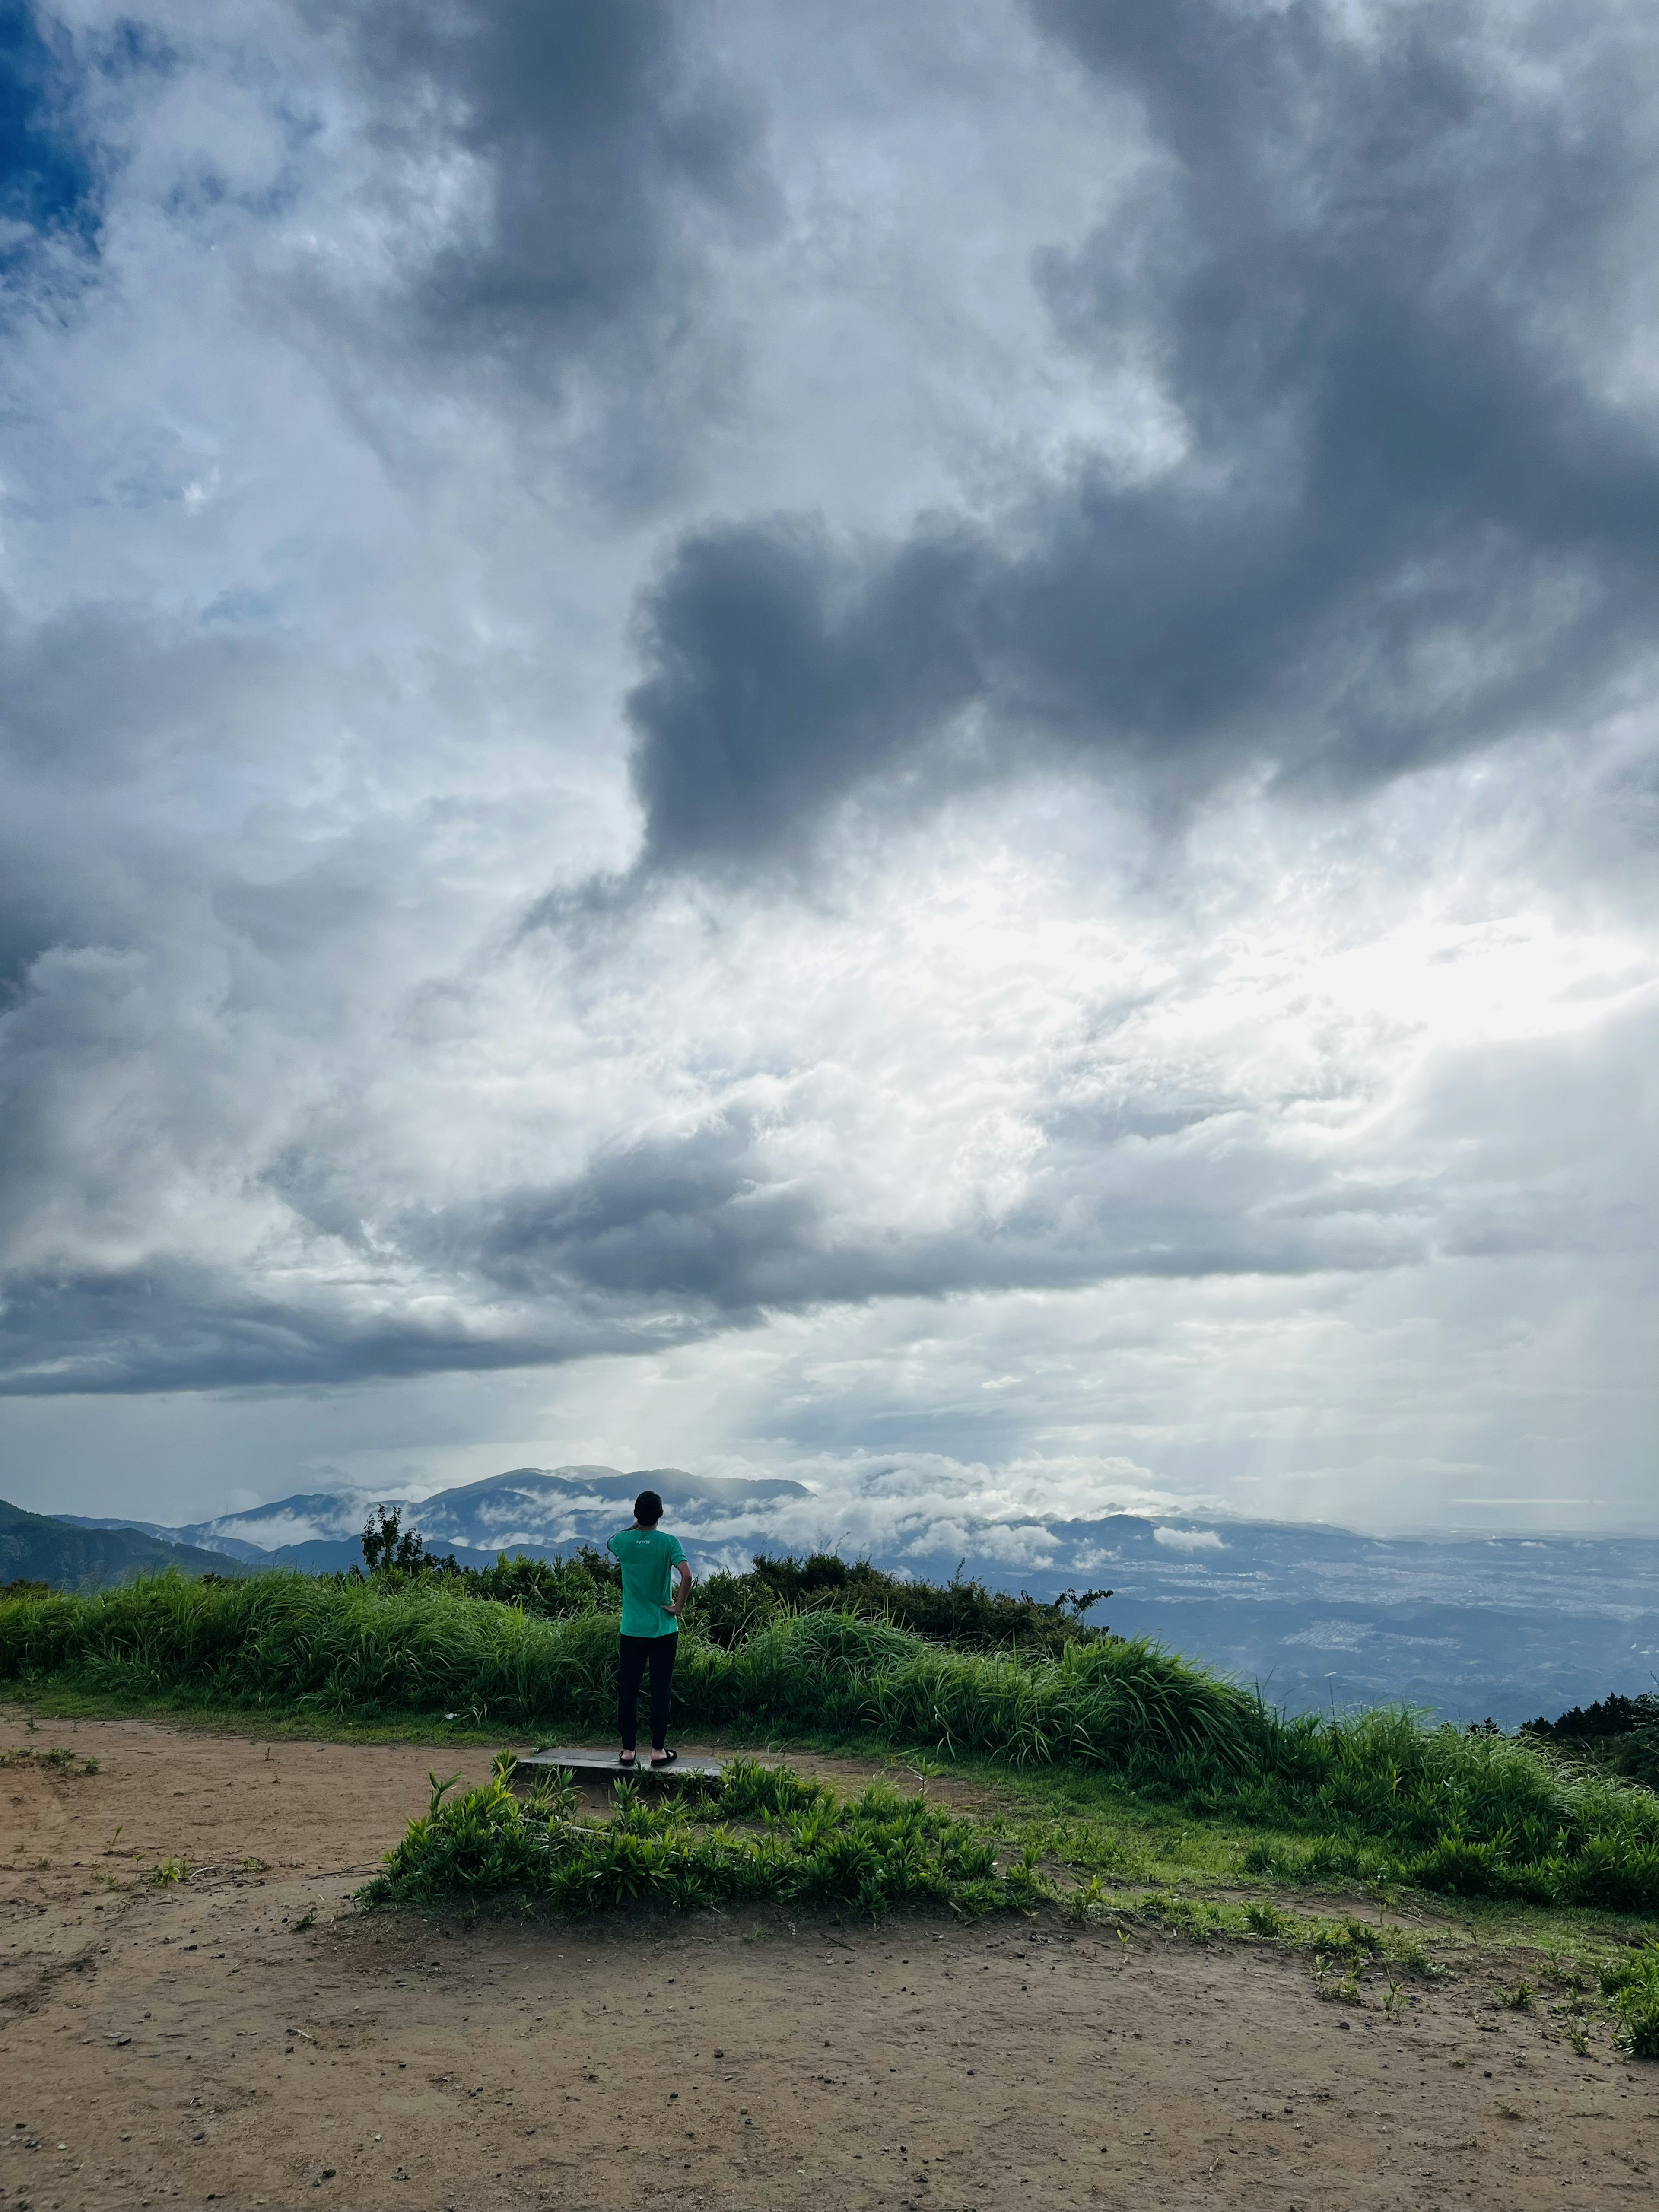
<point>50,180</point>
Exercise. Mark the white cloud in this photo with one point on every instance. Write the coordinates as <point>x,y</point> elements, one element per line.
<point>1279,1153</point>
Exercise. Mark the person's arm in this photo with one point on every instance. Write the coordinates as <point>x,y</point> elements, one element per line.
<point>679,1605</point>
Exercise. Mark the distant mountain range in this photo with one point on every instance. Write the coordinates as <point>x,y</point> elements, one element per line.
<point>93,1555</point>
<point>1467,1627</point>
<point>540,1510</point>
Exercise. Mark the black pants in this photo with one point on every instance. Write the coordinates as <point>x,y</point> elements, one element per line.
<point>636,1651</point>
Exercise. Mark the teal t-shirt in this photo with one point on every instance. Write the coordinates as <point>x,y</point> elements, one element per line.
<point>649,1558</point>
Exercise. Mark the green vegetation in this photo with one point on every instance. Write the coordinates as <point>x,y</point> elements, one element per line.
<point>1618,1735</point>
<point>962,1613</point>
<point>1632,1983</point>
<point>275,1641</point>
<point>60,1760</point>
<point>1377,1799</point>
<point>761,1834</point>
<point>728,1608</point>
<point>37,1551</point>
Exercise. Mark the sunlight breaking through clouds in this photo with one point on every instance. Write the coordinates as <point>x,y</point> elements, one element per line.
<point>842,738</point>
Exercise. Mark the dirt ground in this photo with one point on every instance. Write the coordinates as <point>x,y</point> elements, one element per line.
<point>243,2037</point>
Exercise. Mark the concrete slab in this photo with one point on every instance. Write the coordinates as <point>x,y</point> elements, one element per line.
<point>587,1765</point>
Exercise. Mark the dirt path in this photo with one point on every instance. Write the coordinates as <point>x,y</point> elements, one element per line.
<point>210,2041</point>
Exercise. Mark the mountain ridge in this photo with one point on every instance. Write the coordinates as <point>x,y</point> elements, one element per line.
<point>44,1548</point>
<point>1317,1614</point>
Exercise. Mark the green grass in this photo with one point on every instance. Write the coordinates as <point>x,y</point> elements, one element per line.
<point>1322,1802</point>
<point>762,1834</point>
<point>728,1608</point>
<point>62,1698</point>
<point>287,1643</point>
<point>1632,1983</point>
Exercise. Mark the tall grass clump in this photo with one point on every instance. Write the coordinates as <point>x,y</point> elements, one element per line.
<point>283,1639</point>
<point>798,1845</point>
<point>1473,1815</point>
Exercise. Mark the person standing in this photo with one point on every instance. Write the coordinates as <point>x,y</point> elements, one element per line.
<point>648,1557</point>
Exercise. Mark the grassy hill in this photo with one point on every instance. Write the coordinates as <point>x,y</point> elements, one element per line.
<point>35,1548</point>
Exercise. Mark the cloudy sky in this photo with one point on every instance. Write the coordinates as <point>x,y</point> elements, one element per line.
<point>885,742</point>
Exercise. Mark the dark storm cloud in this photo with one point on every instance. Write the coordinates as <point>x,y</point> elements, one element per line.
<point>173,1325</point>
<point>778,677</point>
<point>1383,279</point>
<point>613,150</point>
<point>673,1240</point>
<point>702,1224</point>
<point>24,935</point>
<point>669,1241</point>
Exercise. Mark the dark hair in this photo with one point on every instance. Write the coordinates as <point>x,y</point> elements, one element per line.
<point>647,1507</point>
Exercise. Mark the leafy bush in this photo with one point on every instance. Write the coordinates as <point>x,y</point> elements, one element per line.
<point>871,1853</point>
<point>396,1557</point>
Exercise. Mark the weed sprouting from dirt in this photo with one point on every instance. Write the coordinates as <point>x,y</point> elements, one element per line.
<point>1335,1986</point>
<point>57,1761</point>
<point>1632,1983</point>
<point>170,1870</point>
<point>1341,1951</point>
